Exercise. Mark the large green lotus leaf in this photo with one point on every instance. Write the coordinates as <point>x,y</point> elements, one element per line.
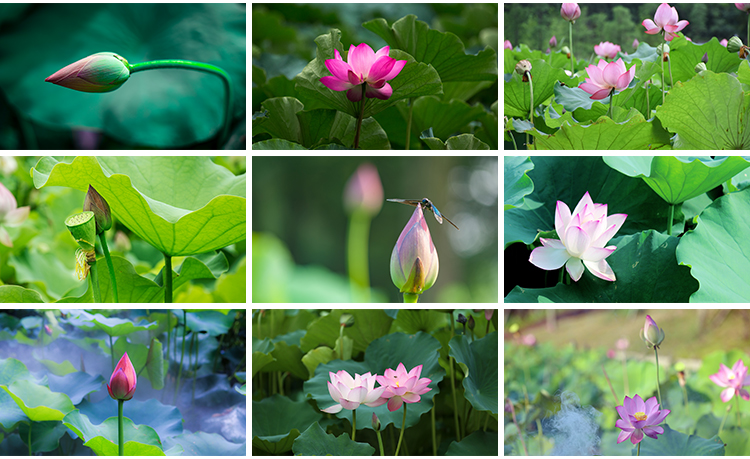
<point>457,142</point>
<point>180,205</point>
<point>18,294</point>
<point>415,79</point>
<point>159,108</point>
<point>517,96</point>
<point>478,443</point>
<point>708,112</point>
<point>480,358</point>
<point>287,358</point>
<point>75,385</point>
<point>567,179</point>
<point>636,133</point>
<point>113,326</point>
<point>368,326</point>
<point>674,443</point>
<point>646,269</point>
<point>10,413</point>
<point>678,178</point>
<point>443,50</point>
<point>383,353</point>
<point>415,320</point>
<point>277,421</point>
<point>38,402</point>
<point>684,55</point>
<point>140,440</point>
<point>316,442</point>
<point>718,250</point>
<point>204,444</point>
<point>214,322</point>
<point>517,184</point>
<point>445,118</point>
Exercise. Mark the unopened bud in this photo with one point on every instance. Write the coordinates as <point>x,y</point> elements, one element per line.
<point>734,44</point>
<point>98,205</point>
<point>461,319</point>
<point>681,378</point>
<point>471,323</point>
<point>375,422</point>
<point>566,50</point>
<point>523,66</point>
<point>700,67</point>
<point>346,320</point>
<point>704,59</point>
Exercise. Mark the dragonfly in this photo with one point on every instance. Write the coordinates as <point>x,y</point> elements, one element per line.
<point>426,204</point>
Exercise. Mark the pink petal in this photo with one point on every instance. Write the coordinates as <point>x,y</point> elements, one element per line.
<point>629,404</point>
<point>664,14</point>
<point>349,405</point>
<point>354,80</point>
<point>382,52</point>
<point>335,84</point>
<point>727,394</point>
<point>744,394</point>
<point>411,397</point>
<point>601,269</point>
<point>361,59</point>
<point>596,254</point>
<point>651,28</point>
<point>636,436</point>
<point>383,93</point>
<point>381,68</point>
<point>333,409</point>
<point>562,217</point>
<point>549,258</point>
<point>576,240</point>
<point>651,405</point>
<point>624,435</point>
<point>338,68</point>
<point>395,403</point>
<point>335,394</point>
<point>354,94</point>
<point>17,216</point>
<point>397,67</point>
<point>622,412</point>
<point>5,238</point>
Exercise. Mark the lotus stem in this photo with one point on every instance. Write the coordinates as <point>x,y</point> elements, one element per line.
<point>408,123</point>
<point>411,297</point>
<point>617,400</point>
<point>432,419</point>
<point>748,29</point>
<point>611,99</point>
<point>453,388</point>
<point>111,268</point>
<point>670,221</point>
<point>361,115</point>
<point>658,390</point>
<point>94,278</point>
<point>380,443</point>
<point>403,427</point>
<point>354,424</point>
<point>182,354</point>
<point>570,38</point>
<point>639,449</point>
<point>738,412</point>
<point>168,278</point>
<point>201,67</point>
<point>724,419</point>
<point>518,429</point>
<point>120,438</point>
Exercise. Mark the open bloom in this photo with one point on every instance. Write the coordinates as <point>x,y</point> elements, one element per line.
<point>667,20</point>
<point>414,260</point>
<point>733,380</point>
<point>651,334</point>
<point>123,381</point>
<point>638,418</point>
<point>351,392</point>
<point>10,214</point>
<point>606,77</point>
<point>607,49</point>
<point>363,66</point>
<point>583,234</point>
<point>100,72</point>
<point>401,386</point>
<point>570,11</point>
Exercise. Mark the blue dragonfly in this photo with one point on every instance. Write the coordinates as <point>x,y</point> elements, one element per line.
<point>426,204</point>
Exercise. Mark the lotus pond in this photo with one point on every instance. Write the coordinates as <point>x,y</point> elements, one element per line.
<point>178,377</point>
<point>315,374</point>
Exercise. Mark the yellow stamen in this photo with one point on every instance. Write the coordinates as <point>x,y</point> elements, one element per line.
<point>641,416</point>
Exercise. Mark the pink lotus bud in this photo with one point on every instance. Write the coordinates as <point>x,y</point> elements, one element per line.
<point>123,381</point>
<point>636,43</point>
<point>47,330</point>
<point>364,190</point>
<point>570,11</point>
<point>100,72</point>
<point>414,260</point>
<point>553,42</point>
<point>743,7</point>
<point>375,422</point>
<point>507,45</point>
<point>651,334</point>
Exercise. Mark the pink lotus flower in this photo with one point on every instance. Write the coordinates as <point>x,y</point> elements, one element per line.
<point>401,386</point>
<point>100,72</point>
<point>724,42</point>
<point>743,7</point>
<point>638,418</point>
<point>507,45</point>
<point>607,49</point>
<point>606,77</point>
<point>123,380</point>
<point>570,11</point>
<point>10,214</point>
<point>583,234</point>
<point>667,20</point>
<point>733,380</point>
<point>351,392</point>
<point>363,66</point>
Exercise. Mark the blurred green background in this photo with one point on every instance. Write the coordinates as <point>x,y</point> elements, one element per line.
<point>300,227</point>
<point>534,24</point>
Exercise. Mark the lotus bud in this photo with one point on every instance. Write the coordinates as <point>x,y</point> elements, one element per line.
<point>123,381</point>
<point>471,323</point>
<point>734,44</point>
<point>700,67</point>
<point>98,205</point>
<point>523,66</point>
<point>566,50</point>
<point>375,422</point>
<point>636,43</point>
<point>651,334</point>
<point>83,228</point>
<point>100,72</point>
<point>461,319</point>
<point>704,59</point>
<point>553,41</point>
<point>346,320</point>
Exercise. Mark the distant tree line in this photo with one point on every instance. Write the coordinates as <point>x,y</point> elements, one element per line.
<point>535,23</point>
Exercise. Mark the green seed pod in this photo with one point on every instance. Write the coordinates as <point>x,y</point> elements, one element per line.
<point>700,67</point>
<point>734,44</point>
<point>83,229</point>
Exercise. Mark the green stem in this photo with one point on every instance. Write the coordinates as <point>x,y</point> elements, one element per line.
<point>648,102</point>
<point>658,391</point>
<point>112,278</point>
<point>168,278</point>
<point>661,59</point>
<point>361,116</point>
<point>30,453</point>
<point>611,100</point>
<point>453,386</point>
<point>200,67</point>
<point>357,255</point>
<point>340,344</point>
<point>434,438</point>
<point>411,297</point>
<point>738,412</point>
<point>112,353</point>
<point>748,29</point>
<point>380,443</point>
<point>408,123</point>
<point>670,221</point>
<point>120,438</point>
<point>403,426</point>
<point>354,423</point>
<point>724,419</point>
<point>570,39</point>
<point>685,396</point>
<point>182,355</point>
<point>94,278</point>
<point>639,449</point>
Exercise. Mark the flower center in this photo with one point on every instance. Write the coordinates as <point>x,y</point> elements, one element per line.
<point>731,376</point>
<point>641,416</point>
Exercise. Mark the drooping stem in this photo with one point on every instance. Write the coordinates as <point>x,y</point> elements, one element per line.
<point>167,278</point>
<point>658,390</point>
<point>111,268</point>
<point>361,116</point>
<point>120,438</point>
<point>408,123</point>
<point>403,427</point>
<point>617,400</point>
<point>570,39</point>
<point>670,219</point>
<point>354,423</point>
<point>200,67</point>
<point>518,429</point>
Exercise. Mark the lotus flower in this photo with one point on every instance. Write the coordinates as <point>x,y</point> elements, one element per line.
<point>743,7</point>
<point>100,72</point>
<point>667,20</point>
<point>507,45</point>
<point>351,392</point>
<point>414,260</point>
<point>363,66</point>
<point>606,77</point>
<point>401,386</point>
<point>10,214</point>
<point>651,334</point>
<point>583,234</point>
<point>607,49</point>
<point>733,380</point>
<point>570,11</point>
<point>123,381</point>
<point>638,419</point>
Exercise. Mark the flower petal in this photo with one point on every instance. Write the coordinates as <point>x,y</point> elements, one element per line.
<point>335,84</point>
<point>549,258</point>
<point>338,68</point>
<point>383,93</point>
<point>574,266</point>
<point>381,68</point>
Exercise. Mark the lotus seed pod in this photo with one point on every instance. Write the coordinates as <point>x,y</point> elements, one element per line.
<point>734,44</point>
<point>83,229</point>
